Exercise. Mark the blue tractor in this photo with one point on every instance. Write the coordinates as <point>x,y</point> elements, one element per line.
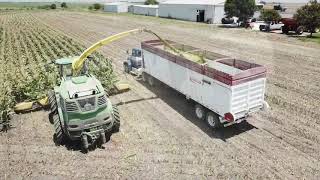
<point>133,64</point>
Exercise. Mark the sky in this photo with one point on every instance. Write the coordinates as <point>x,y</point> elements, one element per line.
<point>280,1</point>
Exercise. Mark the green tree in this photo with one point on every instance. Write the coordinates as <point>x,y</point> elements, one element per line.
<point>53,6</point>
<point>64,5</point>
<point>97,6</point>
<point>151,2</point>
<point>270,15</point>
<point>90,8</point>
<point>309,16</point>
<point>242,9</point>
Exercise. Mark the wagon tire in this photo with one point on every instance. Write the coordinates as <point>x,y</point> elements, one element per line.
<point>200,111</point>
<point>212,120</point>
<point>151,80</point>
<point>144,76</point>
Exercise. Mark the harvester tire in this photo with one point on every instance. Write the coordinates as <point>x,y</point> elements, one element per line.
<point>116,116</point>
<point>103,138</point>
<point>59,135</point>
<point>85,143</point>
<point>52,101</point>
<point>53,106</point>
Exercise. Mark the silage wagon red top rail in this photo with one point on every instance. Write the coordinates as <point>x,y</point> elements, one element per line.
<point>250,71</point>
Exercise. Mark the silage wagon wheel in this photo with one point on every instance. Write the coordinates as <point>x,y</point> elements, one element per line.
<point>53,106</point>
<point>144,76</point>
<point>116,116</point>
<point>59,135</point>
<point>212,119</point>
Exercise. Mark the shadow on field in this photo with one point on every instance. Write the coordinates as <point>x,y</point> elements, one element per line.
<point>185,107</point>
<point>77,145</point>
<point>134,101</point>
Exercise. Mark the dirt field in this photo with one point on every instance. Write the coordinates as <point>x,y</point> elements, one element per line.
<point>160,137</point>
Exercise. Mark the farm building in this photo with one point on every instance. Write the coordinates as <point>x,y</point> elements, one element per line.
<point>117,7</point>
<point>148,10</point>
<point>211,11</point>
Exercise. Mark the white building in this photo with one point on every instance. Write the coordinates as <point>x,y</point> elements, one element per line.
<point>148,10</point>
<point>117,7</point>
<point>193,10</point>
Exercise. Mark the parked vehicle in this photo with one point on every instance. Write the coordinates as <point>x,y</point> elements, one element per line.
<point>225,90</point>
<point>291,24</point>
<point>270,26</point>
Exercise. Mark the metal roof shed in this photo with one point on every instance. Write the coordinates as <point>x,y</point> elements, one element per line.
<point>117,7</point>
<point>148,10</point>
<point>193,10</point>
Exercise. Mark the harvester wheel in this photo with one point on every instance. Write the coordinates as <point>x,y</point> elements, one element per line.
<point>103,138</point>
<point>59,135</point>
<point>53,106</point>
<point>116,116</point>
<point>85,144</point>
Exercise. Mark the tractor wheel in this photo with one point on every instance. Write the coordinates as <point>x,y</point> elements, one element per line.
<point>116,116</point>
<point>300,30</point>
<point>126,67</point>
<point>59,135</point>
<point>212,120</point>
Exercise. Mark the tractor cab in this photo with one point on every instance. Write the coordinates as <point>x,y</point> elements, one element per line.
<point>136,52</point>
<point>133,64</point>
